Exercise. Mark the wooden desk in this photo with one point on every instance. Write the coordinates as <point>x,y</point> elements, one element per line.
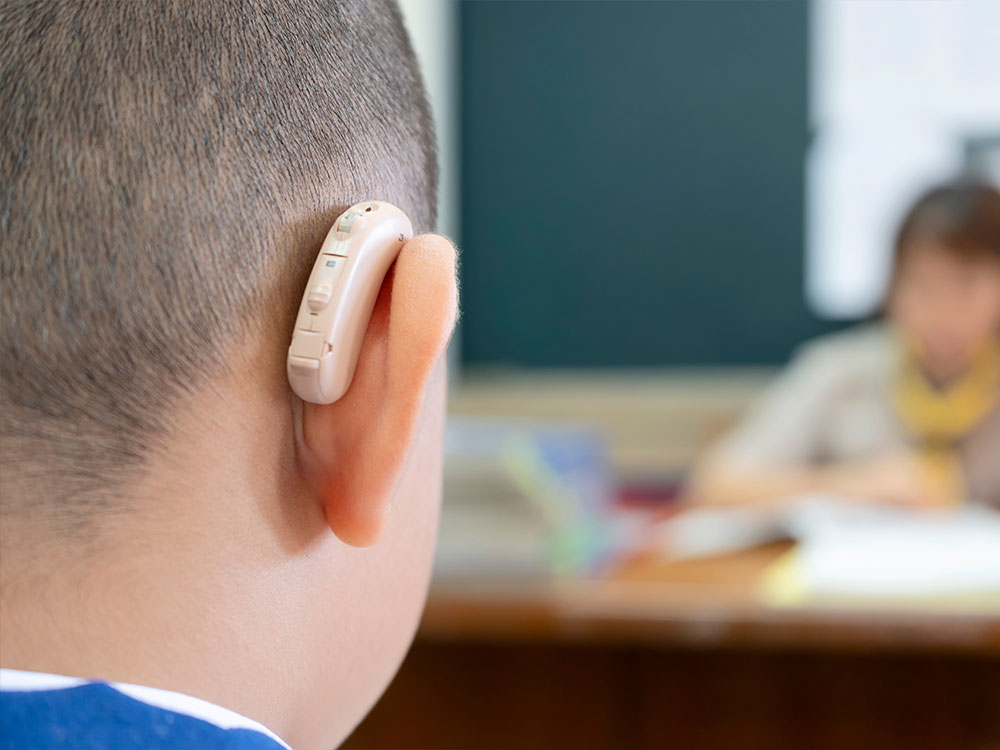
<point>709,603</point>
<point>684,655</point>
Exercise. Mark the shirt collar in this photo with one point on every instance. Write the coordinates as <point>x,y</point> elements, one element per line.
<point>15,680</point>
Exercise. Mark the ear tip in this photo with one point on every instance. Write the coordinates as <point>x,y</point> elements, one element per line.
<point>433,243</point>
<point>435,258</point>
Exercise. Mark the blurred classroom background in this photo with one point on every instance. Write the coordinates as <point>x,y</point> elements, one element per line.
<point>657,204</point>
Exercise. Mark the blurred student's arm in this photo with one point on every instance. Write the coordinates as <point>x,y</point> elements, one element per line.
<point>774,454</point>
<point>896,480</point>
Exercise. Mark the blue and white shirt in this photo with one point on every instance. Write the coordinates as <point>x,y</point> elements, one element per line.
<point>51,712</point>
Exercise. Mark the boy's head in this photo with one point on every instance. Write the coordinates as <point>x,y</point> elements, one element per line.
<point>169,171</point>
<point>945,295</point>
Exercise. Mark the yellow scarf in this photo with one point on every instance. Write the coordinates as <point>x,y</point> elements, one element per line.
<point>938,419</point>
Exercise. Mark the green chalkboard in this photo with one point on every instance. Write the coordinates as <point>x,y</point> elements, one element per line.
<point>632,182</point>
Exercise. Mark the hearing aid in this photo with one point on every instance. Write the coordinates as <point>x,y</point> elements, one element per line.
<point>340,296</point>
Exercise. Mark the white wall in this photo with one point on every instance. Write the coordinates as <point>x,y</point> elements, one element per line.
<point>897,86</point>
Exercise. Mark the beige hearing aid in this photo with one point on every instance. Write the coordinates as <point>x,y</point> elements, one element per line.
<point>340,296</point>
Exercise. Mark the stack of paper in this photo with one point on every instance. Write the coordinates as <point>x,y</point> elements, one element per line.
<point>884,557</point>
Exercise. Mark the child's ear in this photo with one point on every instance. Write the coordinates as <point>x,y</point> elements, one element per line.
<point>355,448</point>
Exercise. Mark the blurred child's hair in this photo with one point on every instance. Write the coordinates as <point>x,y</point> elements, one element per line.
<point>169,171</point>
<point>962,218</point>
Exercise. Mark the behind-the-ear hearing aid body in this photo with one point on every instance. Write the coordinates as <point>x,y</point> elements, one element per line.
<point>340,296</point>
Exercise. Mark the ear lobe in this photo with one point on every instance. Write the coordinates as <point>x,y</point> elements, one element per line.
<point>356,447</point>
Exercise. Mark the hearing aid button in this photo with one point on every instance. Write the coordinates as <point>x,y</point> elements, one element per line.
<point>308,344</point>
<point>303,366</point>
<point>350,221</point>
<point>320,295</point>
<point>344,225</point>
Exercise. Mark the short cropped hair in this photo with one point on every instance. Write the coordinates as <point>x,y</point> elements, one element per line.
<point>169,171</point>
<point>962,217</point>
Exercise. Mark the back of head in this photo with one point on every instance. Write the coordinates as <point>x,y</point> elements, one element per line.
<point>169,172</point>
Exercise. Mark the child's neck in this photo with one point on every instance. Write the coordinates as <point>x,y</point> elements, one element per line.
<point>185,587</point>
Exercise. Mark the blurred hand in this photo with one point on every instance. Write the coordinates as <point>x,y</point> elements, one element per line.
<point>898,480</point>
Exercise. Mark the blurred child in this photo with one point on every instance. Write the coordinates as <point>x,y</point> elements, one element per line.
<point>905,412</point>
<point>192,557</point>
